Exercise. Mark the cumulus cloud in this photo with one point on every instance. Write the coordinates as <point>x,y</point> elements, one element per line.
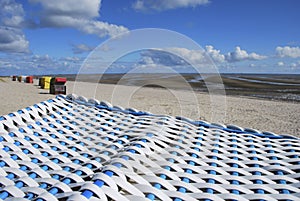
<point>147,61</point>
<point>12,38</point>
<point>179,58</point>
<point>38,64</point>
<point>41,58</point>
<point>71,59</point>
<point>13,41</point>
<point>201,56</point>
<point>210,53</point>
<point>81,8</point>
<point>11,13</point>
<point>78,14</point>
<point>160,57</point>
<point>287,51</point>
<point>81,48</point>
<point>215,55</point>
<point>240,55</point>
<point>160,5</point>
<point>158,61</point>
<point>280,63</point>
<point>295,65</point>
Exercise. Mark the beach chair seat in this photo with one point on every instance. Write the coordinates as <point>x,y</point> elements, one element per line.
<point>57,85</point>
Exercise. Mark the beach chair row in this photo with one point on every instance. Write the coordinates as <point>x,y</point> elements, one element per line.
<point>22,78</point>
<point>55,85</point>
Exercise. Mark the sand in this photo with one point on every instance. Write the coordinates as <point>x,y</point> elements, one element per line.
<point>264,115</point>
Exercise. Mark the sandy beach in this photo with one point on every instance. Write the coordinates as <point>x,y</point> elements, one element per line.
<point>265,115</point>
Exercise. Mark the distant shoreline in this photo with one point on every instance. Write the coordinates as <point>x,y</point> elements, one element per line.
<point>278,87</point>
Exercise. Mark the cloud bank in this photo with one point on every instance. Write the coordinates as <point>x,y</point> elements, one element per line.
<point>287,51</point>
<point>78,14</point>
<point>174,56</point>
<point>38,64</point>
<point>143,5</point>
<point>82,15</point>
<point>12,38</point>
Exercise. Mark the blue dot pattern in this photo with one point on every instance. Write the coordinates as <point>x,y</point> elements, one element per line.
<point>72,148</point>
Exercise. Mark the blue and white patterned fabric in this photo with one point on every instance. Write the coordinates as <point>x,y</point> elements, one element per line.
<point>71,148</point>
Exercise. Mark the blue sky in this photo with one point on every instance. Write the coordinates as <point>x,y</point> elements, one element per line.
<point>43,37</point>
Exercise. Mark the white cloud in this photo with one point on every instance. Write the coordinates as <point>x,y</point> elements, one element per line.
<point>215,55</point>
<point>287,51</point>
<point>81,48</point>
<point>195,56</point>
<point>203,56</point>
<point>78,14</point>
<point>70,59</point>
<point>38,64</point>
<point>240,55</point>
<point>147,61</point>
<point>180,59</point>
<point>295,65</point>
<point>101,28</point>
<point>199,56</point>
<point>157,61</point>
<point>41,58</point>
<point>13,41</point>
<point>12,38</point>
<point>176,56</point>
<point>11,13</point>
<point>280,63</point>
<point>161,57</point>
<point>76,8</point>
<point>105,48</point>
<point>143,5</point>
